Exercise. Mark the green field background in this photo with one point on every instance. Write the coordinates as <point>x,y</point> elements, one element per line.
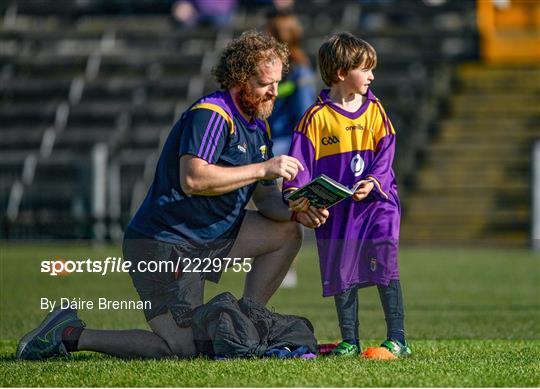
<point>472,316</point>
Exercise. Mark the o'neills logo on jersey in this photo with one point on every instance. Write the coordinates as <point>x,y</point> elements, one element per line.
<point>264,152</point>
<point>329,140</point>
<point>357,127</point>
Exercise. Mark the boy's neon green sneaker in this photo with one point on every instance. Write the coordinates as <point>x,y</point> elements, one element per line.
<point>345,349</point>
<point>397,348</point>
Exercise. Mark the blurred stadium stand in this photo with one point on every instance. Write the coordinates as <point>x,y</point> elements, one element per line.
<point>474,183</point>
<point>89,80</point>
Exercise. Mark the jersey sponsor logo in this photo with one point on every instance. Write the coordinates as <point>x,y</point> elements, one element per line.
<point>242,148</point>
<point>264,151</point>
<point>329,140</point>
<point>357,165</point>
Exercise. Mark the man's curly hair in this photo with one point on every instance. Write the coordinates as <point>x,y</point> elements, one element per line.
<point>240,58</point>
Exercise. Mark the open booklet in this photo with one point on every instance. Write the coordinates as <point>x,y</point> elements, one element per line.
<point>323,192</point>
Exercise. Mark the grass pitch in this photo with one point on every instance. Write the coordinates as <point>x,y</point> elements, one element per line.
<point>472,317</point>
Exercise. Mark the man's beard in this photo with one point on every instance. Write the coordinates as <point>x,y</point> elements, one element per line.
<point>258,107</point>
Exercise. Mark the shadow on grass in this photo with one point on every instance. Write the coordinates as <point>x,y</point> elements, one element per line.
<point>10,357</point>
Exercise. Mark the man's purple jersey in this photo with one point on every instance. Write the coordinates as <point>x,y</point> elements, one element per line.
<point>358,244</point>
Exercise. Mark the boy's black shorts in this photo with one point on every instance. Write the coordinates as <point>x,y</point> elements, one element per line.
<point>173,291</point>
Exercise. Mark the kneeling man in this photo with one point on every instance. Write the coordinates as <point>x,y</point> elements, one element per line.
<point>217,156</point>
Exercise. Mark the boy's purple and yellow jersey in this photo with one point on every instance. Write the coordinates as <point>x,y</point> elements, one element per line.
<point>358,243</point>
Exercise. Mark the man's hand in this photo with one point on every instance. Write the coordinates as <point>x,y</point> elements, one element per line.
<point>363,190</point>
<point>282,166</point>
<point>313,218</point>
<point>299,205</point>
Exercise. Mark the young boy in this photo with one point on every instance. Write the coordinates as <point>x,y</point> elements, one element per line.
<point>347,136</point>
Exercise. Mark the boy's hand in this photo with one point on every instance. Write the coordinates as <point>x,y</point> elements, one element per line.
<point>363,190</point>
<point>313,218</point>
<point>299,205</point>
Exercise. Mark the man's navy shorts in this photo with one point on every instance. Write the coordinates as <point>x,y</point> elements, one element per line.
<point>173,291</point>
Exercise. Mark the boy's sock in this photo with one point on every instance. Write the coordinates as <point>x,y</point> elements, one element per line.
<point>356,342</point>
<point>392,302</point>
<point>347,311</point>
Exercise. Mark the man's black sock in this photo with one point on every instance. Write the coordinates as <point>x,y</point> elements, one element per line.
<point>70,337</point>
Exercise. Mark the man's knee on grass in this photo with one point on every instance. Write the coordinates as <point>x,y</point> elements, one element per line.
<point>182,349</point>
<point>179,339</point>
<point>178,347</point>
<point>180,342</point>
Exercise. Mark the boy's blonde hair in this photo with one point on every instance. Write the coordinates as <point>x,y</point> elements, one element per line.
<point>344,51</point>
